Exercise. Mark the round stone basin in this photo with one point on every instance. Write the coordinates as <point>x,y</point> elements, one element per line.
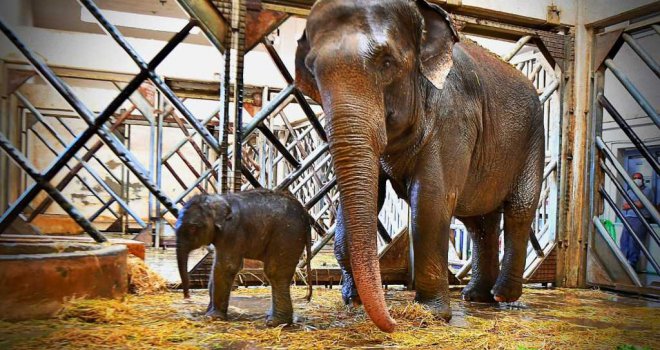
<point>36,278</point>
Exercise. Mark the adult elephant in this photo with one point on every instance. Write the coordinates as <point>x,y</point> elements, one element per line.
<point>457,131</point>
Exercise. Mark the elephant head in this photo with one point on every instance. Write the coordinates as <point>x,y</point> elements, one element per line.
<point>370,63</point>
<point>199,223</point>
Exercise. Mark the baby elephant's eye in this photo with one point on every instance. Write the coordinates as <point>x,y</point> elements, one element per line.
<point>387,63</point>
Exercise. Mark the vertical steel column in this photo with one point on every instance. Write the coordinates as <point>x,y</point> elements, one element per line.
<point>238,47</point>
<point>225,90</point>
<point>159,177</point>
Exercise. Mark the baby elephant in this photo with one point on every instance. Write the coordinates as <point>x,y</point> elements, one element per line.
<point>263,225</point>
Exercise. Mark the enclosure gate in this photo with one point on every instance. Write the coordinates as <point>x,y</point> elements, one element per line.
<point>607,264</point>
<point>271,151</point>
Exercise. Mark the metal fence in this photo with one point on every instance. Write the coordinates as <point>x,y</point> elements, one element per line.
<point>613,185</point>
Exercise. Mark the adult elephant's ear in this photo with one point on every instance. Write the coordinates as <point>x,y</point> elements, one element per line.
<point>305,80</point>
<point>438,38</point>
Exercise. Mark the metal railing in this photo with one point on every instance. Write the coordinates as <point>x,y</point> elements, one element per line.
<point>610,178</point>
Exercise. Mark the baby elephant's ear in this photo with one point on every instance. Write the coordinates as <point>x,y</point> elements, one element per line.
<point>438,38</point>
<point>305,80</point>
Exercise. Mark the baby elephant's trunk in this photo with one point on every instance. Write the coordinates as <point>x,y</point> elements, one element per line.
<point>182,262</point>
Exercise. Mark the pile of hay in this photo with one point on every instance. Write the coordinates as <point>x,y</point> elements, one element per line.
<point>545,319</point>
<point>143,280</point>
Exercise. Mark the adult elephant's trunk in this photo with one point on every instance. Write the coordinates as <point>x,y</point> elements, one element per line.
<point>356,137</point>
<point>182,261</point>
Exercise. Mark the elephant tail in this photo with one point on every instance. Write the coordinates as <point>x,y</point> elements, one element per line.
<point>535,244</point>
<point>308,257</point>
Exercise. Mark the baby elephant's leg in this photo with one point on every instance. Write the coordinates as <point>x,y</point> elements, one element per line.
<point>280,270</point>
<point>225,269</point>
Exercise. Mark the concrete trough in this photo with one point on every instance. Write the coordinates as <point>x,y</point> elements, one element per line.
<point>37,277</point>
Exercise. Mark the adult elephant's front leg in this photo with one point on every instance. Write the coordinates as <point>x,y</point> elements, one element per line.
<point>431,214</point>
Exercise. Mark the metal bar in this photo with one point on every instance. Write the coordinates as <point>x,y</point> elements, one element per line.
<point>96,126</point>
<point>648,59</point>
<point>190,167</point>
<point>267,110</point>
<point>116,197</point>
<point>615,249</point>
<point>519,45</point>
<point>656,28</point>
<point>549,90</point>
<point>105,206</point>
<point>93,154</point>
<point>460,274</point>
<point>307,109</point>
<point>86,157</point>
<point>605,103</point>
<point>382,231</point>
<point>194,145</point>
<point>238,19</point>
<point>178,178</point>
<point>622,172</point>
<point>631,202</point>
<point>191,136</point>
<point>278,145</point>
<point>251,179</point>
<point>42,183</point>
<point>204,175</point>
<point>320,194</point>
<point>81,179</point>
<point>624,221</point>
<point>210,21</point>
<point>634,92</point>
<point>316,248</point>
<point>308,163</point>
<point>42,119</point>
<point>148,68</point>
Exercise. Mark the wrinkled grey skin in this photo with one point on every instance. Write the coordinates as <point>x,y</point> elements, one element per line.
<point>457,132</point>
<point>262,225</point>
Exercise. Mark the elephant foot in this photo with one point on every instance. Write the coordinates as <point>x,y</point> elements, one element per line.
<point>216,315</point>
<point>507,291</point>
<point>274,321</point>
<point>475,292</point>
<point>438,308</point>
<point>349,292</point>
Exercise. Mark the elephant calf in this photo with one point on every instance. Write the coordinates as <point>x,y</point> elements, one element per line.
<point>262,225</point>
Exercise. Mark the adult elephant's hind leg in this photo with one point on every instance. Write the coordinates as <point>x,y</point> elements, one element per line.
<point>519,212</point>
<point>484,230</point>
